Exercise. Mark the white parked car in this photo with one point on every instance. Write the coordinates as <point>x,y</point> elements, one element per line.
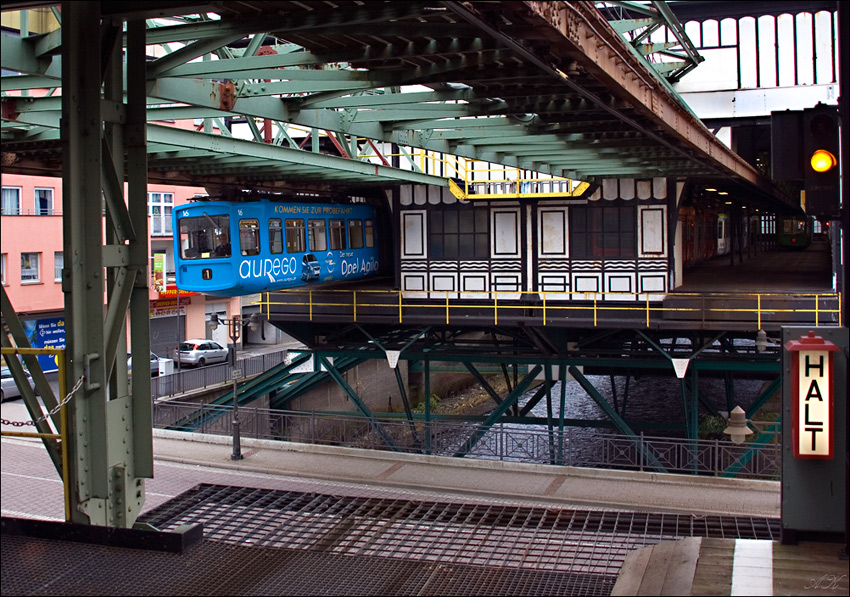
<point>154,364</point>
<point>200,352</point>
<point>10,389</point>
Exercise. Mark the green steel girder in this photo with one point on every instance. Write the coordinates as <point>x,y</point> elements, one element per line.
<point>618,421</point>
<point>15,334</point>
<point>110,440</point>
<point>178,138</point>
<point>656,16</point>
<point>460,355</point>
<point>543,390</point>
<point>767,436</point>
<point>493,417</point>
<point>763,397</point>
<point>454,51</point>
<point>358,402</point>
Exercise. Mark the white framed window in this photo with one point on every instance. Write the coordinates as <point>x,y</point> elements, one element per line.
<point>30,271</point>
<point>43,202</point>
<point>58,264</point>
<point>11,201</point>
<point>159,210</point>
<point>3,268</point>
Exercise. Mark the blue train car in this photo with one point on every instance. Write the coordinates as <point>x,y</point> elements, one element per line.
<point>235,248</point>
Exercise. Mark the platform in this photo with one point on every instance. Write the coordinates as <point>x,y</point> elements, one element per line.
<point>293,519</point>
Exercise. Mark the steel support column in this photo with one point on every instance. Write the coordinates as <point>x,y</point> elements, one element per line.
<point>358,402</point>
<point>619,423</point>
<point>110,431</point>
<point>491,419</point>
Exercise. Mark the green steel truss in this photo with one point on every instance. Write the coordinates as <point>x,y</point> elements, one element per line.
<point>335,96</point>
<point>327,95</point>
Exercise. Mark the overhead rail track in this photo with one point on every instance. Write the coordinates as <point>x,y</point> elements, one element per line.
<point>336,98</point>
<point>546,87</point>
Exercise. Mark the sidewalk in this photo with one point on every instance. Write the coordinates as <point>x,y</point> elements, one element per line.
<point>555,485</point>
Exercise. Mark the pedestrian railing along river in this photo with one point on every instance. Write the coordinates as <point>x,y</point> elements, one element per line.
<point>187,380</point>
<point>572,447</point>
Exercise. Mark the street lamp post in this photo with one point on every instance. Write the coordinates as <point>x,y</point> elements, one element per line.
<point>234,330</point>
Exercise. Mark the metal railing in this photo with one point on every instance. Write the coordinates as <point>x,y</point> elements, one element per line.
<point>547,307</point>
<point>60,435</point>
<point>187,380</point>
<point>572,447</point>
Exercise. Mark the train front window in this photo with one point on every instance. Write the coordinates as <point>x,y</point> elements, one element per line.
<point>355,234</point>
<point>317,236</point>
<point>204,237</point>
<point>275,236</point>
<point>337,235</point>
<point>249,237</point>
<point>295,236</point>
<point>794,226</point>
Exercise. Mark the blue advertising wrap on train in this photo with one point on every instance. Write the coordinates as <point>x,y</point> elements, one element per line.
<point>232,249</point>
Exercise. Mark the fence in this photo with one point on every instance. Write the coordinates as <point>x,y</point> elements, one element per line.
<point>554,308</point>
<point>187,380</point>
<point>509,442</point>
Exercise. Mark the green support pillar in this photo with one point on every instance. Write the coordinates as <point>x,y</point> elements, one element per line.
<point>110,439</point>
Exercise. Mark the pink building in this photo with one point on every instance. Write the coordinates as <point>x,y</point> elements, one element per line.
<point>32,262</point>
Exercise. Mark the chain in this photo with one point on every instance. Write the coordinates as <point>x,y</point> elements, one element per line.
<point>52,412</point>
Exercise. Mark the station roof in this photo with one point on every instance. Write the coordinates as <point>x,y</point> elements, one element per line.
<point>545,86</point>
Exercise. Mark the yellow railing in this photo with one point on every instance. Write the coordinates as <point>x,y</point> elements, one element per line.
<point>60,437</point>
<point>549,305</point>
<point>499,182</point>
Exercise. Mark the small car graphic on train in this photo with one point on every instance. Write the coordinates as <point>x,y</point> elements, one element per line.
<point>310,268</point>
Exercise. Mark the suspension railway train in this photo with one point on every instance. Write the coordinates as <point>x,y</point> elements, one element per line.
<point>236,248</point>
<point>706,234</point>
<point>795,232</point>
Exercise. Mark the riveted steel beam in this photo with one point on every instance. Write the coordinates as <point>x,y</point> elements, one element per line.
<point>110,420</point>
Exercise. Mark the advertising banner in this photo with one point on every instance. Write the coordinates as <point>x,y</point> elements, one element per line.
<point>46,333</point>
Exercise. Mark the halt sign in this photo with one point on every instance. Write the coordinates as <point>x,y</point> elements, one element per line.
<point>812,400</point>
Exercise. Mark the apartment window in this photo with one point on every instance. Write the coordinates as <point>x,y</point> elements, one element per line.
<point>603,233</point>
<point>459,234</point>
<point>30,267</point>
<point>11,201</point>
<point>44,202</point>
<point>58,264</point>
<point>159,210</point>
<point>3,269</point>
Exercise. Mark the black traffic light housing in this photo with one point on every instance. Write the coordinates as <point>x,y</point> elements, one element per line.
<point>821,170</point>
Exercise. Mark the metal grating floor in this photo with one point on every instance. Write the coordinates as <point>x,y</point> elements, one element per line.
<point>403,547</point>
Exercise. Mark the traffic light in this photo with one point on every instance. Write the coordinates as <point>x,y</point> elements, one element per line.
<point>821,172</point>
